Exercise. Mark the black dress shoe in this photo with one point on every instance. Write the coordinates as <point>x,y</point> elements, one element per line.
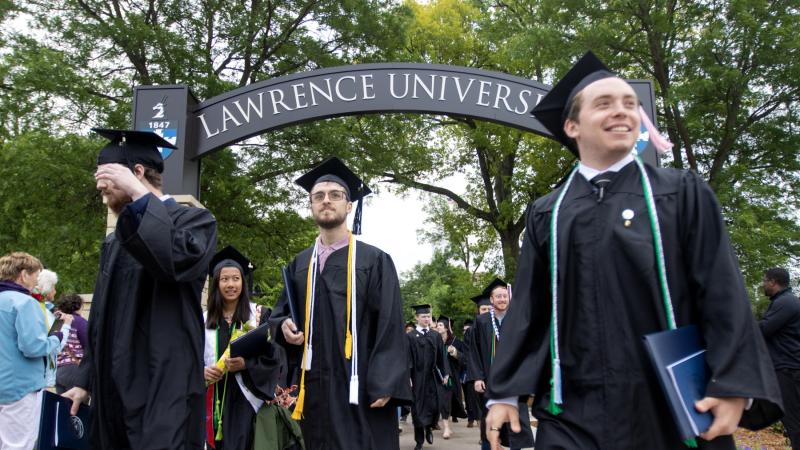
<point>418,447</point>
<point>429,435</point>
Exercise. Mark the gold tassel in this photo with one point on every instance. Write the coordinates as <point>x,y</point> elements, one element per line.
<point>297,414</point>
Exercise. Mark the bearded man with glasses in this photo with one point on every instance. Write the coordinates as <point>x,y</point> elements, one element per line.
<point>345,344</point>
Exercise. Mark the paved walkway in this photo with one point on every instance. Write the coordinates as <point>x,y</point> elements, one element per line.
<point>463,438</point>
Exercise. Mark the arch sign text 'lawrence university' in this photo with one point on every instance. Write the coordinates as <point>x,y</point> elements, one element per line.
<point>198,128</point>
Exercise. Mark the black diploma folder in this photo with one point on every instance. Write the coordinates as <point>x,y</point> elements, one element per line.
<point>290,295</point>
<point>59,430</point>
<point>253,343</point>
<point>679,360</point>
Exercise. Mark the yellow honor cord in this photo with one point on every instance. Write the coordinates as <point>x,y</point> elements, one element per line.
<point>348,338</point>
<point>297,414</point>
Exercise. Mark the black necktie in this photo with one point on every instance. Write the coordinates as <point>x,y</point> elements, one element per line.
<point>600,182</point>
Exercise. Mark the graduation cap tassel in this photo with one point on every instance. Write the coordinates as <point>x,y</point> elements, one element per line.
<point>658,141</point>
<point>357,217</point>
<point>555,395</point>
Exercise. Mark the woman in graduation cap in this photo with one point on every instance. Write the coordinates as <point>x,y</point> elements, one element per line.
<point>450,398</point>
<point>237,387</point>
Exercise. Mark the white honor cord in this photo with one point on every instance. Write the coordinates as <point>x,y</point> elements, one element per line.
<point>555,355</point>
<point>309,348</point>
<point>353,327</point>
<point>494,323</point>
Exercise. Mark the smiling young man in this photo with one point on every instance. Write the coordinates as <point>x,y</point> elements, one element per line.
<point>486,338</point>
<point>611,255</point>
<point>348,344</point>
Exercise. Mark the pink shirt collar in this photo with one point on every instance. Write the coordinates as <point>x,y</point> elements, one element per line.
<point>323,251</point>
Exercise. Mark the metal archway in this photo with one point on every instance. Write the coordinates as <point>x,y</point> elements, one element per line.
<point>200,128</point>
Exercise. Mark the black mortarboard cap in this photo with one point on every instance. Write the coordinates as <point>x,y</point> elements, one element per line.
<point>130,147</point>
<point>448,322</point>
<point>490,287</point>
<point>481,300</point>
<point>334,170</point>
<point>552,110</point>
<point>421,309</point>
<point>227,257</point>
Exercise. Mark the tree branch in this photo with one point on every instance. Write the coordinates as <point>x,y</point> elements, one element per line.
<point>463,204</point>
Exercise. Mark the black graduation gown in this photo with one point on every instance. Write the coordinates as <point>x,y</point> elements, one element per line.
<point>144,362</point>
<point>609,298</point>
<point>451,403</point>
<point>471,400</point>
<point>329,420</point>
<point>260,376</point>
<point>428,367</point>
<point>481,361</point>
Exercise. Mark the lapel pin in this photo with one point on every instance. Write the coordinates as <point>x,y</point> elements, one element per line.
<point>627,215</point>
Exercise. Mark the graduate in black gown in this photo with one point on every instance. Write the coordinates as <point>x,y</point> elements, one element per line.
<point>451,403</point>
<point>487,337</point>
<point>470,396</point>
<point>144,362</point>
<point>593,383</point>
<point>428,373</point>
<point>236,385</point>
<point>334,333</point>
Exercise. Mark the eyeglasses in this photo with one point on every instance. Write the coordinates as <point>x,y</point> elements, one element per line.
<point>335,196</point>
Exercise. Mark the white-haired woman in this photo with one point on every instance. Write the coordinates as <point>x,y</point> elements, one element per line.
<point>45,290</point>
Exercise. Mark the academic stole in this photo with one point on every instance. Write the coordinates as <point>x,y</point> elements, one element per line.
<point>49,359</point>
<point>496,336</point>
<point>212,396</point>
<point>351,329</point>
<point>556,400</point>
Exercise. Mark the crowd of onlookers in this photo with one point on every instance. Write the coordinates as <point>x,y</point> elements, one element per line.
<point>42,341</point>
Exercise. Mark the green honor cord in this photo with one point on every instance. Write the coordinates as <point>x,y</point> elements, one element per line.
<point>658,244</point>
<point>555,357</point>
<point>556,399</point>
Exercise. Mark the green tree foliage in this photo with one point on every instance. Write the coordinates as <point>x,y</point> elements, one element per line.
<point>447,288</point>
<point>49,206</point>
<point>726,79</point>
<point>70,65</point>
<point>727,88</point>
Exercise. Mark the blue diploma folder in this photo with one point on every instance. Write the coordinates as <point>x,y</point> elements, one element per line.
<point>290,295</point>
<point>679,360</point>
<point>59,430</point>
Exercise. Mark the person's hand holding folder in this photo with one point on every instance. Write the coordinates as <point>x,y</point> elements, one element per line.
<point>291,333</point>
<point>78,396</point>
<point>727,414</point>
